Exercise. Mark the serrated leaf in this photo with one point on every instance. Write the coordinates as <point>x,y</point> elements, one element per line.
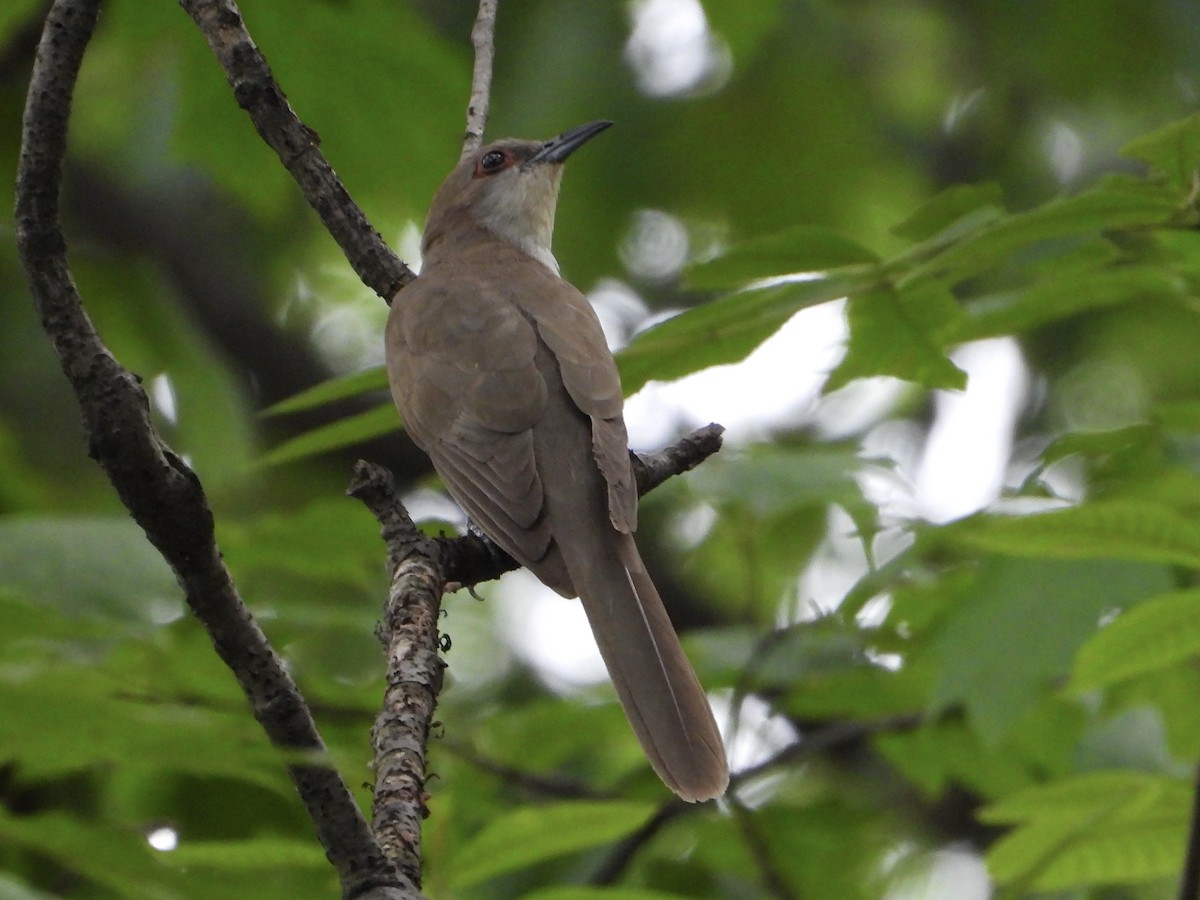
<point>1116,529</point>
<point>942,210</point>
<point>1098,828</point>
<point>1173,149</point>
<point>333,389</point>
<point>727,329</point>
<point>1057,298</point>
<point>889,335</point>
<point>342,433</point>
<point>802,248</point>
<point>1156,634</point>
<point>533,834</point>
<point>1114,203</point>
<point>1072,797</point>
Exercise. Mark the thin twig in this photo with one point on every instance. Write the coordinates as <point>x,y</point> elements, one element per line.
<point>773,880</point>
<point>615,864</point>
<point>558,787</point>
<point>257,92</point>
<point>652,469</point>
<point>161,492</point>
<point>473,558</point>
<point>829,738</point>
<point>483,39</point>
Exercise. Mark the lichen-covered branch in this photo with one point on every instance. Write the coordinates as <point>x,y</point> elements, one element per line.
<point>164,495</point>
<point>409,632</point>
<point>421,567</point>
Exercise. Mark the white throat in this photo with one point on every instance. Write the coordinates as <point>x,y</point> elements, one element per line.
<point>521,211</point>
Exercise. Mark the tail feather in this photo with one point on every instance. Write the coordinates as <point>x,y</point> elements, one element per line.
<point>657,687</point>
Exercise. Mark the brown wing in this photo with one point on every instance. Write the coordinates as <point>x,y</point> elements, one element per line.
<point>461,367</point>
<point>569,326</point>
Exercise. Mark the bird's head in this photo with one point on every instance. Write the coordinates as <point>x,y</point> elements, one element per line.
<point>508,189</point>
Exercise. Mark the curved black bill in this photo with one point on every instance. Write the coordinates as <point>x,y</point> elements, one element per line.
<point>558,149</point>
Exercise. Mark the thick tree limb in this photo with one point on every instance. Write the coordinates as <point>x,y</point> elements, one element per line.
<point>257,92</point>
<point>160,491</point>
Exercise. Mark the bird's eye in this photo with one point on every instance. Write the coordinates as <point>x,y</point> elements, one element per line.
<point>492,161</point>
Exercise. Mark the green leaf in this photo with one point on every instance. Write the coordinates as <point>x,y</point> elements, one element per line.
<point>1133,439</point>
<point>97,567</point>
<point>10,889</point>
<point>1173,149</point>
<point>339,388</point>
<point>12,16</point>
<point>1073,797</point>
<point>890,335</point>
<point>946,750</point>
<point>1181,415</point>
<point>862,692</point>
<point>953,204</point>
<point>1056,298</point>
<point>1015,632</point>
<point>344,432</point>
<point>533,834</point>
<point>1158,633</point>
<point>1114,529</point>
<point>1114,203</point>
<point>118,858</point>
<point>325,541</point>
<point>251,854</point>
<point>800,249</point>
<point>1098,828</point>
<point>47,705</point>
<point>727,329</point>
<point>770,479</point>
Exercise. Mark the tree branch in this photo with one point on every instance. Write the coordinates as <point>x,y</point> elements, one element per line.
<point>817,742</point>
<point>409,633</point>
<point>296,144</point>
<point>483,39</point>
<point>161,492</point>
<point>421,567</point>
<point>473,558</point>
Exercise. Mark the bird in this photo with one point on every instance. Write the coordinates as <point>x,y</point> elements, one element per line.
<point>502,375</point>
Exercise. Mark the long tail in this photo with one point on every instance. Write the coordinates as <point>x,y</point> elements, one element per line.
<point>655,683</point>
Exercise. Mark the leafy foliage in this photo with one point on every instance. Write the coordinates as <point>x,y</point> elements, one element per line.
<point>1021,681</point>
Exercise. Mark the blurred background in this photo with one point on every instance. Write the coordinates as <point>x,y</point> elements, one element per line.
<point>916,682</point>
